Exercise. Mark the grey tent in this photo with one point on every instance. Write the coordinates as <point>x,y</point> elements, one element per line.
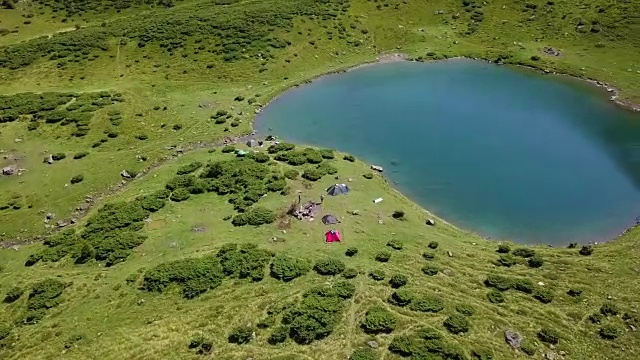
<point>252,143</point>
<point>329,219</point>
<point>338,189</point>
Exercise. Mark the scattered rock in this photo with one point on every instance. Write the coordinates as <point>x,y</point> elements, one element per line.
<point>355,212</point>
<point>632,328</point>
<point>449,253</point>
<point>18,140</point>
<point>430,222</point>
<point>372,344</point>
<point>140,302</point>
<point>8,170</point>
<point>541,283</point>
<point>551,51</point>
<point>50,216</point>
<point>62,223</point>
<point>125,174</point>
<point>513,338</point>
<point>551,355</point>
<point>199,229</point>
<point>377,168</point>
<point>50,159</point>
<point>562,353</point>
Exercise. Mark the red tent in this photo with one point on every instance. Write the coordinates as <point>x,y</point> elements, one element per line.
<point>332,236</point>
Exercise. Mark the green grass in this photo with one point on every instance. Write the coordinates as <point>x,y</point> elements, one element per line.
<point>269,47</point>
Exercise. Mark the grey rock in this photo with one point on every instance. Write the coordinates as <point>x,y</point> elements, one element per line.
<point>449,253</point>
<point>513,338</point>
<point>50,216</point>
<point>125,174</point>
<point>430,222</point>
<point>50,159</point>
<point>373,344</point>
<point>8,170</point>
<point>551,355</point>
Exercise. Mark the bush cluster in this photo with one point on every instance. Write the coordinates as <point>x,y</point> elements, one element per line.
<point>287,268</point>
<point>352,251</point>
<point>13,294</point>
<point>433,245</point>
<point>193,276</point>
<point>43,296</point>
<point>377,275</point>
<point>378,320</point>
<point>329,266</point>
<point>255,216</point>
<point>523,252</point>
<point>349,273</point>
<point>457,324</point>
<point>398,281</point>
<point>395,244</point>
<point>383,256</point>
<point>609,332</point>
<point>189,168</point>
<point>244,261</point>
<point>503,249</point>
<point>363,354</point>
<point>241,335</point>
<point>201,345</point>
<point>549,336</point>
<point>430,270</point>
<point>401,298</point>
<point>427,303</point>
<point>586,250</point>
<point>426,343</point>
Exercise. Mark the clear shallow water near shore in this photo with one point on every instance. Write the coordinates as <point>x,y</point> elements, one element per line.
<point>504,152</point>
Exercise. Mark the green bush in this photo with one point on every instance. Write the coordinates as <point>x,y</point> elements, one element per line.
<point>395,244</point>
<point>430,270</point>
<point>349,158</point>
<point>349,273</point>
<point>77,179</point>
<point>378,320</point>
<point>327,169</point>
<point>13,294</point>
<point>312,174</point>
<point>194,275</point>
<point>244,261</point>
<point>327,153</point>
<point>286,268</point>
<point>499,282</point>
<point>344,289</point>
<point>404,345</point>
<point>586,250</point>
<point>280,147</point>
<point>528,347</point>
<point>495,296</point>
<point>505,260</point>
<point>363,354</point>
<point>383,256</point>
<point>433,245</point>
<point>609,332</point>
<point>291,174</point>
<point>457,324</point>
<point>316,316</point>
<point>177,127</point>
<point>152,203</point>
<point>85,253</point>
<point>429,333</point>
<point>329,266</point>
<point>398,281</point>
<point>80,155</point>
<point>43,295</point>
<point>523,284</point>
<point>482,354</point>
<point>58,156</point>
<point>428,255</point>
<point>398,214</point>
<point>609,309</point>
<point>228,149</point>
<point>427,303</point>
<point>256,216</point>
<point>523,252</point>
<point>180,181</point>
<point>595,318</point>
<point>503,249</point>
<point>400,297</point>
<point>241,335</point>
<point>5,330</point>
<point>465,309</point>
<point>189,168</point>
<point>180,194</point>
<point>201,345</point>
<point>142,136</point>
<point>368,176</point>
<point>278,335</point>
<point>574,292</point>
<point>377,275</point>
<point>535,261</point>
<point>549,336</point>
<point>543,295</point>
<point>352,251</point>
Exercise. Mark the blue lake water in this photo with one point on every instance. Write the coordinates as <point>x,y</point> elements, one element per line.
<point>505,152</point>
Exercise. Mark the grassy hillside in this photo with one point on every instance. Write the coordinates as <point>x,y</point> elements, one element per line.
<point>92,88</point>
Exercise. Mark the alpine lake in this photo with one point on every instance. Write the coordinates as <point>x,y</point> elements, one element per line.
<point>506,152</point>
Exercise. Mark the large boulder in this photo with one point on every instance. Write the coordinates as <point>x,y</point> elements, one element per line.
<point>513,338</point>
<point>8,170</point>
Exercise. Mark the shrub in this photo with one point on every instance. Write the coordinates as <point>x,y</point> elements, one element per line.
<point>77,179</point>
<point>401,297</point>
<point>286,268</point>
<point>44,295</point>
<point>350,158</point>
<point>398,281</point>
<point>433,245</point>
<point>177,127</point>
<point>5,330</point>
<point>549,336</point>
<point>327,153</point>
<point>85,253</point>
<point>528,347</point>
<point>609,332</point>
<point>495,296</point>
<point>280,147</point>
<point>398,215</point>
<point>383,256</point>
<point>80,155</point>
<point>352,251</point>
<point>523,252</point>
<point>378,320</point>
<point>586,250</point>
<point>363,354</point>
<point>427,255</point>
<point>189,168</point>
<point>403,345</point>
<point>465,309</point>
<point>256,216</point>
<point>595,318</point>
<point>429,333</point>
<point>349,273</point>
<point>180,181</point>
<point>344,289</point>
<point>427,303</point>
<point>368,176</point>
<point>151,203</point>
<point>395,244</point>
<point>327,169</point>
<point>13,294</point>
<point>456,324</point>
<point>278,335</point>
<point>377,275</point>
<point>523,284</point>
<point>312,174</point>
<point>291,174</point>
<point>535,57</point>
<point>194,275</point>
<point>609,309</point>
<point>499,282</point>
<point>244,261</point>
<point>180,194</point>
<point>241,335</point>
<point>315,316</point>
<point>228,149</point>
<point>430,270</point>
<point>503,249</point>
<point>543,295</point>
<point>202,345</point>
<point>142,136</point>
<point>535,261</point>
<point>574,292</point>
<point>58,156</point>
<point>329,266</point>
<point>505,260</point>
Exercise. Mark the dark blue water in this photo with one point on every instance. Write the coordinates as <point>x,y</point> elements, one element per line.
<point>501,151</point>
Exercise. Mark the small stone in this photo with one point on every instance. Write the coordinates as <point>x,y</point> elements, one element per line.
<point>513,338</point>
<point>373,344</point>
<point>140,302</point>
<point>541,283</point>
<point>430,222</point>
<point>449,253</point>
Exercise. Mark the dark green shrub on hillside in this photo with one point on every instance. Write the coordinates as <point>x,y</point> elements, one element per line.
<point>609,309</point>
<point>433,245</point>
<point>58,156</point>
<point>80,155</point>
<point>549,336</point>
<point>609,332</point>
<point>383,256</point>
<point>495,296</point>
<point>286,268</point>
<point>312,174</point>
<point>316,316</point>
<point>5,331</point>
<point>429,333</point>
<point>400,297</point>
<point>241,335</point>
<point>482,354</point>
<point>85,253</point>
<point>427,303</point>
<point>260,157</point>
<point>499,282</point>
<point>535,261</point>
<point>278,335</point>
<point>586,250</point>
<point>378,320</point>
<point>327,169</point>
<point>256,216</point>
<point>152,203</point>
<point>543,295</point>
<point>344,289</point>
<point>43,295</point>
<point>503,249</point>
<point>363,354</point>
<point>291,174</point>
<point>77,179</point>
<point>465,309</point>
<point>244,261</point>
<point>276,148</point>
<point>180,181</point>
<point>430,270</point>
<point>180,194</point>
<point>505,260</point>
<point>352,251</point>
<point>13,294</point>
<point>189,168</point>
<point>327,154</point>
<point>398,281</point>
<point>195,276</point>
<point>329,266</point>
<point>349,158</point>
<point>574,292</point>
<point>395,244</point>
<point>457,324</point>
<point>349,273</point>
<point>228,149</point>
<point>312,156</point>
<point>398,215</point>
<point>428,255</point>
<point>377,275</point>
<point>368,176</point>
<point>523,284</point>
<point>595,318</point>
<point>404,345</point>
<point>523,252</point>
<point>202,345</point>
<point>528,347</point>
